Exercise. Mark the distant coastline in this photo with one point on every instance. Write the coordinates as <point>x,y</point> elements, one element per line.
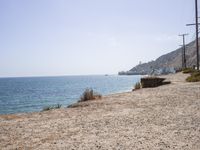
<point>121,73</point>
<point>167,63</point>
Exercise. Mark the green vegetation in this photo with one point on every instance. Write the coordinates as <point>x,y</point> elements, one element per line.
<point>137,86</point>
<point>89,94</point>
<point>188,70</point>
<point>52,107</point>
<point>195,77</point>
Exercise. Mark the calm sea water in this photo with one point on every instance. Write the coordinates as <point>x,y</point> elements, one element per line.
<point>32,94</point>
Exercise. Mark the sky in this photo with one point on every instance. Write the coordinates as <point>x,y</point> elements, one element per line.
<point>85,37</point>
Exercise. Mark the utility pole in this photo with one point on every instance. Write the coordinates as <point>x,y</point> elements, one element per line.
<point>197,31</point>
<point>182,56</point>
<point>183,51</point>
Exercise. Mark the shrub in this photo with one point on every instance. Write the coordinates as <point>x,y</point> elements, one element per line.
<point>188,70</point>
<point>52,107</point>
<point>89,94</point>
<point>137,86</point>
<point>149,82</point>
<point>195,77</point>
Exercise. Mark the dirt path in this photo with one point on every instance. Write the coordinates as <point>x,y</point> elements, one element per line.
<point>167,117</point>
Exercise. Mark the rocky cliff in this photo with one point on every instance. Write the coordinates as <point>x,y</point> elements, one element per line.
<point>170,60</point>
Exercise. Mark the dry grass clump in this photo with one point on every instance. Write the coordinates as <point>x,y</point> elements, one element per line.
<point>137,86</point>
<point>195,77</point>
<point>189,70</point>
<point>52,107</point>
<point>89,94</point>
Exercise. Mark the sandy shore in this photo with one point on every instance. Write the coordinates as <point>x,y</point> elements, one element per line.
<point>166,117</point>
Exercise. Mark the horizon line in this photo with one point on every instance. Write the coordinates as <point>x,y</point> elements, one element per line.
<point>40,76</point>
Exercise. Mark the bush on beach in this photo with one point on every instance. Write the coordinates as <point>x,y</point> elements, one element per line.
<point>194,77</point>
<point>188,70</point>
<point>137,86</point>
<point>89,94</point>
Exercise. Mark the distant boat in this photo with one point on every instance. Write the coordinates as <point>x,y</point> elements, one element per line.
<point>106,74</point>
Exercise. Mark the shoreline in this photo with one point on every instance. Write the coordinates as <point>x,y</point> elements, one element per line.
<point>165,117</point>
<point>64,91</point>
<point>64,107</point>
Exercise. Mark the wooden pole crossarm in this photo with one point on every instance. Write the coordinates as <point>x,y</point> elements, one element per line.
<point>192,24</point>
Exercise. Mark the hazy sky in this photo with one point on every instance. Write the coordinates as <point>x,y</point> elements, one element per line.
<point>77,37</point>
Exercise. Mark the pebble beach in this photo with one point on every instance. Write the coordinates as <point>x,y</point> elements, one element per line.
<point>166,117</point>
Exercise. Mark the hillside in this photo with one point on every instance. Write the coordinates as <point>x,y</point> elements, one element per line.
<point>170,60</point>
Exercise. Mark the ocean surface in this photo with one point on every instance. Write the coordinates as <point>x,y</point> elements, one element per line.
<point>31,94</point>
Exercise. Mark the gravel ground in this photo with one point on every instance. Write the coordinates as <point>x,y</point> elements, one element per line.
<point>166,117</point>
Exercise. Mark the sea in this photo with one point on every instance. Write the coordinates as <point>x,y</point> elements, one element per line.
<point>32,94</point>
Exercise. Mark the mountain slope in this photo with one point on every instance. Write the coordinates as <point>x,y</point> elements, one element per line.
<point>170,60</point>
